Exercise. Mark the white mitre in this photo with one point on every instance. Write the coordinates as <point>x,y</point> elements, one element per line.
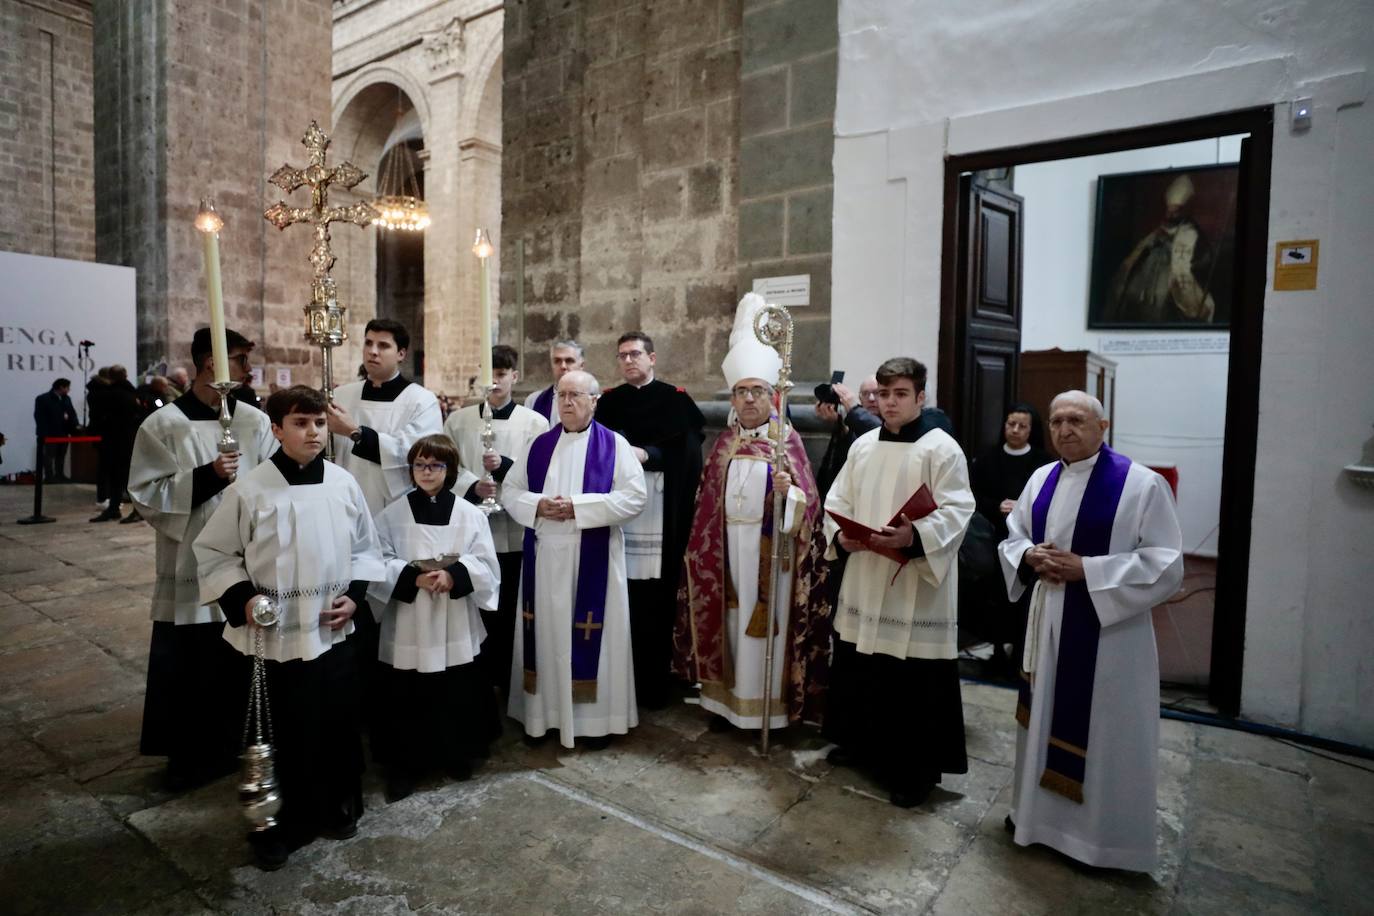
<point>748,356</point>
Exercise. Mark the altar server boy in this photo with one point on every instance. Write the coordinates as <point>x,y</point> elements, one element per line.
<point>438,705</point>
<point>296,529</point>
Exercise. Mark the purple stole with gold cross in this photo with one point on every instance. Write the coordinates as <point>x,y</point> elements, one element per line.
<point>1076,666</point>
<point>589,603</point>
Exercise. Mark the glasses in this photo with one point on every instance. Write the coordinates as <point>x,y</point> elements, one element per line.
<point>629,356</point>
<point>572,395</point>
<point>757,392</point>
<point>421,467</point>
<point>240,358</point>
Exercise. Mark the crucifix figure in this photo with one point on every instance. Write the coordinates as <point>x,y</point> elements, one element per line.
<point>324,316</point>
<point>587,627</point>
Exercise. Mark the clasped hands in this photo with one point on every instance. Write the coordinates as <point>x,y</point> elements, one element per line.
<point>1053,565</point>
<point>437,583</point>
<point>891,537</point>
<point>555,508</point>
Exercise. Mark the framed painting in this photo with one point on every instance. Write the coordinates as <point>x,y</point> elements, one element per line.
<point>1164,248</point>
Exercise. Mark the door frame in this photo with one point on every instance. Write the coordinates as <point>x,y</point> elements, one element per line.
<point>1243,363</point>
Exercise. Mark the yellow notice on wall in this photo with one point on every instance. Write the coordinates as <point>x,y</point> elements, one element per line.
<point>1295,265</point>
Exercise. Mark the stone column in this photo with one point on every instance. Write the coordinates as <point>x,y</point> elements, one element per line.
<point>197,100</point>
<point>450,269</point>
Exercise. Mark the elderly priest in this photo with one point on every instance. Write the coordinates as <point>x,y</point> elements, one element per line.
<point>1096,537</point>
<point>726,598</point>
<point>573,490</point>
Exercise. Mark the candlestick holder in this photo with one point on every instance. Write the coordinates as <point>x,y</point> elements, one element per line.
<point>488,505</point>
<point>227,444</point>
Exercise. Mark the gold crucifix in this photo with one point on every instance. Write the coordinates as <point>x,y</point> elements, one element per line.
<point>324,317</point>
<point>587,627</point>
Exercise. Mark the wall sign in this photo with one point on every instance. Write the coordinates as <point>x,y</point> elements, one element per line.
<point>1155,345</point>
<point>785,291</point>
<point>1295,265</point>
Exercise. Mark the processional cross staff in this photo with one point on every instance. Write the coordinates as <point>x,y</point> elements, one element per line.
<point>324,317</point>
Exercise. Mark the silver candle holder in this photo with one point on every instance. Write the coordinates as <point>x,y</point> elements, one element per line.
<point>227,444</point>
<point>488,505</point>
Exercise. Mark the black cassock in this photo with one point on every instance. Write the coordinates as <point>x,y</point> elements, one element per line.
<point>664,421</point>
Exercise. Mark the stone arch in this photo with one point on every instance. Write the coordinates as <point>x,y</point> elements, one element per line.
<point>365,126</point>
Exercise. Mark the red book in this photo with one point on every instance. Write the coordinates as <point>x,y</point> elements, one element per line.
<point>919,505</point>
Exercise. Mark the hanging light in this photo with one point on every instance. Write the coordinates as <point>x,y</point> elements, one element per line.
<point>398,202</point>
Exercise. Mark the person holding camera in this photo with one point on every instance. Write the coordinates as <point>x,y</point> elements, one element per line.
<point>853,415</point>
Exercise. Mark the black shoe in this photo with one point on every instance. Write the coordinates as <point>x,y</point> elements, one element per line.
<point>599,743</point>
<point>131,518</point>
<point>534,740</point>
<point>346,828</point>
<point>270,853</point>
<point>842,756</point>
<point>106,516</point>
<point>719,724</point>
<point>1009,825</point>
<point>911,796</point>
<point>398,787</point>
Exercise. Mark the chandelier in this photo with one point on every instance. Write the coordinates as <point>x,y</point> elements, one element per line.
<point>398,203</point>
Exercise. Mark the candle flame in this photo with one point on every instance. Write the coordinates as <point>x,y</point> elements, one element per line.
<point>481,245</point>
<point>207,218</point>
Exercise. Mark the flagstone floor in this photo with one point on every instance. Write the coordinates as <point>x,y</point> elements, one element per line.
<point>672,819</point>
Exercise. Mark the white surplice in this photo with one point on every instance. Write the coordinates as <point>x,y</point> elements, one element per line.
<point>644,533</point>
<point>300,545</point>
<point>513,437</point>
<point>413,415</point>
<point>917,614</point>
<point>557,554</point>
<point>1114,826</point>
<point>167,450</point>
<point>745,482</point>
<point>434,632</point>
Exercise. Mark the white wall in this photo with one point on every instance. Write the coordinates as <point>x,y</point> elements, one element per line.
<point>1060,208</point>
<point>922,80</point>
<point>47,305</point>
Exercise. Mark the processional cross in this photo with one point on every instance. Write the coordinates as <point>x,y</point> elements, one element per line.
<point>324,317</point>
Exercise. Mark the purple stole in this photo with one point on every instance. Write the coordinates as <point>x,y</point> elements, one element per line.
<point>589,603</point>
<point>1076,666</point>
<point>544,403</point>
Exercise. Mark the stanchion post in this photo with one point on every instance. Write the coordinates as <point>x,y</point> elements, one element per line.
<point>38,518</point>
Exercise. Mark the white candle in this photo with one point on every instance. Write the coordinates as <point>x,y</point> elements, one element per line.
<point>482,248</point>
<point>209,224</point>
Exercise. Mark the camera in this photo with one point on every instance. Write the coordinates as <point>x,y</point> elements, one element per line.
<point>825,392</point>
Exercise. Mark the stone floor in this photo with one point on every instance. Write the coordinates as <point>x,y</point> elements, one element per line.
<point>671,819</point>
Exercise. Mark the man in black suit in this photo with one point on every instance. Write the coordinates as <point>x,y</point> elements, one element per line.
<point>54,415</point>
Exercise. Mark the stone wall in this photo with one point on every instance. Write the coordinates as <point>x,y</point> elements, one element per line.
<point>47,179</point>
<point>620,172</point>
<point>193,100</point>
<point>786,184</point>
<point>627,161</point>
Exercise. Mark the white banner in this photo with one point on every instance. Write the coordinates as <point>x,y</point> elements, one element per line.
<point>47,307</point>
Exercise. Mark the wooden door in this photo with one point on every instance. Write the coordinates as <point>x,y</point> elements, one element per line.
<point>988,334</point>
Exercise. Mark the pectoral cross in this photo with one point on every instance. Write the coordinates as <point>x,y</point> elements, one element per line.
<point>587,627</point>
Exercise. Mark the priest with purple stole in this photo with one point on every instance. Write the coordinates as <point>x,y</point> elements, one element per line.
<point>564,356</point>
<point>573,490</point>
<point>727,595</point>
<point>1096,537</point>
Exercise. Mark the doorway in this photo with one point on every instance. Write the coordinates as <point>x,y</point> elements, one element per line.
<point>990,306</point>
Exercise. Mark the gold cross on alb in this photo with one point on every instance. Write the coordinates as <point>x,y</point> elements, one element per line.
<point>587,627</point>
<point>319,214</point>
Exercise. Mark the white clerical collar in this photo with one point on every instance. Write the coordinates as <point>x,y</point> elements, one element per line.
<point>758,432</point>
<point>1081,465</point>
<point>647,381</point>
<point>394,376</point>
<point>1016,451</point>
<point>577,432</point>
